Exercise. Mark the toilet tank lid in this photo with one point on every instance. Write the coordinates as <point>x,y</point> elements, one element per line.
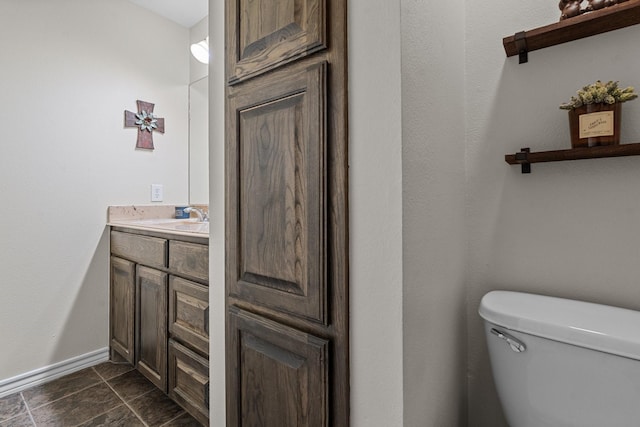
<point>599,327</point>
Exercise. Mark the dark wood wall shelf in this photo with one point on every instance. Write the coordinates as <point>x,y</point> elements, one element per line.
<point>600,21</point>
<point>525,158</point>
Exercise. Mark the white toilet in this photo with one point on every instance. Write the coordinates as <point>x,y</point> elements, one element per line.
<point>563,363</point>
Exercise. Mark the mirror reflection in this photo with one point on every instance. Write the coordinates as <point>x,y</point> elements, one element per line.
<point>198,142</point>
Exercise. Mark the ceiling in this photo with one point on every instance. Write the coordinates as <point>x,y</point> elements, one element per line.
<point>185,12</point>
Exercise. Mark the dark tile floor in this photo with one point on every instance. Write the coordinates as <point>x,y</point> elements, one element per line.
<point>104,395</point>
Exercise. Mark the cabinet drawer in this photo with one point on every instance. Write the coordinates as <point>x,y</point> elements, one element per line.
<point>189,259</point>
<point>189,313</point>
<point>146,250</point>
<point>189,381</point>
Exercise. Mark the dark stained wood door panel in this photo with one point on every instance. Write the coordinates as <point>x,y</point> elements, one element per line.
<point>291,365</point>
<point>270,33</point>
<point>279,160</point>
<point>151,325</point>
<point>122,306</point>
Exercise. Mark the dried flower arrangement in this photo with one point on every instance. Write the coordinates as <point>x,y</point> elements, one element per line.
<point>600,93</point>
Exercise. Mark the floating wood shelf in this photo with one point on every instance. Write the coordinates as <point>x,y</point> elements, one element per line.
<point>600,21</point>
<point>525,157</point>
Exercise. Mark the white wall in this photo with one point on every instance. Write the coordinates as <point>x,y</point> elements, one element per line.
<point>434,239</point>
<point>69,70</point>
<point>217,292</point>
<point>375,217</point>
<point>408,241</point>
<point>569,229</point>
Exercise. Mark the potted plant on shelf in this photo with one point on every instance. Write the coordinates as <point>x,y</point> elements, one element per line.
<point>594,114</point>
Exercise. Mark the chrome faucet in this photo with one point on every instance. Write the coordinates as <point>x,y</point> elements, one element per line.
<point>202,216</point>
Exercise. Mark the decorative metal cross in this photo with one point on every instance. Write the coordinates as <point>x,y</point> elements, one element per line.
<point>146,122</point>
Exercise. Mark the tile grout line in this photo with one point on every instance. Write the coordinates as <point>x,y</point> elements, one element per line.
<point>175,418</point>
<point>65,396</point>
<point>26,405</point>
<point>127,404</point>
<point>115,376</point>
<point>99,381</point>
<point>114,392</point>
<point>13,417</point>
<point>99,415</point>
<point>182,412</point>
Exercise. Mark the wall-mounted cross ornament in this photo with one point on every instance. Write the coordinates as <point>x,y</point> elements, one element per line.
<point>146,122</point>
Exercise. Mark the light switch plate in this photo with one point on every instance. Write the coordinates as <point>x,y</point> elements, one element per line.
<point>156,192</point>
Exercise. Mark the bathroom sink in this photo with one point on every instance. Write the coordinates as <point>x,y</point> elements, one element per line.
<point>196,227</point>
<point>169,224</point>
<point>190,225</point>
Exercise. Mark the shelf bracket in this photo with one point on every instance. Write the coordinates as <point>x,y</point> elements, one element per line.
<point>523,158</point>
<point>520,39</point>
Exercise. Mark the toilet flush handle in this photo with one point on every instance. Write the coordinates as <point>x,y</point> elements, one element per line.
<point>515,344</point>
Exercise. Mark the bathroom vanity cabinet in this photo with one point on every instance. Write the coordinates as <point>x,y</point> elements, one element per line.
<point>159,312</point>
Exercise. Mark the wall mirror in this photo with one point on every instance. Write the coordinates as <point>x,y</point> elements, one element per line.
<point>199,142</point>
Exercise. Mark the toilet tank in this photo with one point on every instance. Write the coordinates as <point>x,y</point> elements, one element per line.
<point>563,363</point>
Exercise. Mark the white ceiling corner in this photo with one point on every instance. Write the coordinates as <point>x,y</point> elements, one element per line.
<point>184,12</point>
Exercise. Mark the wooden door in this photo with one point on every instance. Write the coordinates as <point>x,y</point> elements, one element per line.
<point>151,325</point>
<point>286,214</point>
<point>122,305</point>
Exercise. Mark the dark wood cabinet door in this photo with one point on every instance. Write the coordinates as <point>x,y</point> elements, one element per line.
<point>270,33</point>
<point>122,308</point>
<point>286,214</point>
<point>151,325</point>
<point>279,158</point>
<point>279,373</point>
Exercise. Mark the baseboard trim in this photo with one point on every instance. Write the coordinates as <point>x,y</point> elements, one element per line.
<point>51,372</point>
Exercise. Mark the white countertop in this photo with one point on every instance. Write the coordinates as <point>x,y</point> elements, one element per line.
<point>155,218</point>
<point>168,225</point>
